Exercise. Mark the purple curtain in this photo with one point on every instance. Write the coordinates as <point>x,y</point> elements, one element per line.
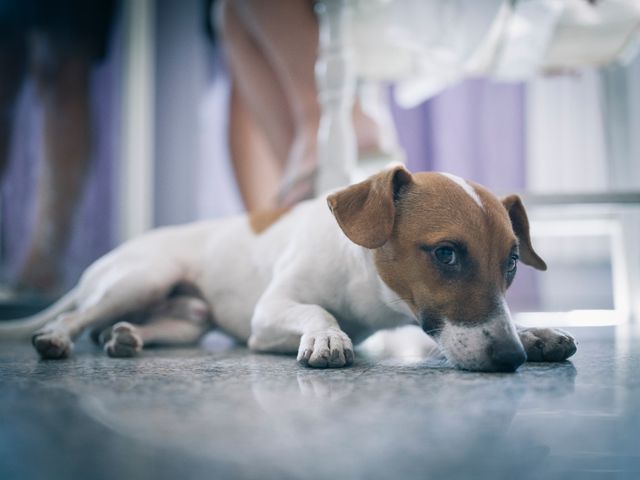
<point>474,130</point>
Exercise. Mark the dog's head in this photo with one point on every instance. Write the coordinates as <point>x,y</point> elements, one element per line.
<point>449,249</point>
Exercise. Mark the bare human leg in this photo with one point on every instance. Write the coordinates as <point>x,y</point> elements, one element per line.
<point>260,127</point>
<point>271,47</point>
<point>257,170</point>
<point>12,62</point>
<point>287,31</point>
<point>62,81</point>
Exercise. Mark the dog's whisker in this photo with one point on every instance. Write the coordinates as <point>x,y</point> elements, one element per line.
<point>436,331</point>
<point>400,300</point>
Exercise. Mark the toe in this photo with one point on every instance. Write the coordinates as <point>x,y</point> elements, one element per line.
<point>52,346</point>
<point>332,349</point>
<point>321,354</point>
<point>568,345</point>
<point>548,345</point>
<point>116,349</point>
<point>348,356</point>
<point>124,341</point>
<point>305,350</point>
<point>336,348</point>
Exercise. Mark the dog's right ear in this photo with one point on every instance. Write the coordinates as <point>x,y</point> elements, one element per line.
<point>520,224</point>
<point>366,211</point>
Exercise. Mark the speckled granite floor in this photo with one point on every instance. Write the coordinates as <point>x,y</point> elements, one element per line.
<point>191,414</point>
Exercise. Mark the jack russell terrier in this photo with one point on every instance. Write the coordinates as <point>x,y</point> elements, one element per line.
<point>398,248</point>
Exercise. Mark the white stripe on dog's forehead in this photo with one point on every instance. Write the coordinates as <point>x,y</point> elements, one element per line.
<point>461,182</point>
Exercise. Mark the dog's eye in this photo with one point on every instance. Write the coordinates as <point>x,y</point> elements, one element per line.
<point>513,263</point>
<point>446,255</point>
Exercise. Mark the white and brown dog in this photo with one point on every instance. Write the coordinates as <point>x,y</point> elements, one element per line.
<point>428,249</point>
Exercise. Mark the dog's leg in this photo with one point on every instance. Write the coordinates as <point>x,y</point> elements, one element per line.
<point>547,344</point>
<point>101,333</point>
<point>126,339</point>
<point>115,296</point>
<point>284,326</point>
<point>177,321</point>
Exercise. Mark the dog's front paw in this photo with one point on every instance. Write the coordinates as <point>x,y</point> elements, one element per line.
<point>124,341</point>
<point>547,344</point>
<point>325,349</point>
<point>52,343</point>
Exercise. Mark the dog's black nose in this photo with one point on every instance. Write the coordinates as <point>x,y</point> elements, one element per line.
<point>508,359</point>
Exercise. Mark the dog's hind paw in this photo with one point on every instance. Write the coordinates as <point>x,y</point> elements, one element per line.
<point>547,344</point>
<point>325,349</point>
<point>52,344</point>
<point>124,341</point>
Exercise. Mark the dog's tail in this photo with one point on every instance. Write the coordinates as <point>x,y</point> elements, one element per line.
<point>23,327</point>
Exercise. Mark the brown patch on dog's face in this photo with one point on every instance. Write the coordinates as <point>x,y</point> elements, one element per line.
<point>450,255</point>
<point>262,220</point>
<point>435,220</point>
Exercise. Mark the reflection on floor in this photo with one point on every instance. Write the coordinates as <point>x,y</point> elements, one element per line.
<point>196,414</point>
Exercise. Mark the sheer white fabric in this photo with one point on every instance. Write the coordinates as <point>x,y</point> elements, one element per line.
<point>426,46</point>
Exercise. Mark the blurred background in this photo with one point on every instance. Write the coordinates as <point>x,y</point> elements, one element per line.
<point>116,117</point>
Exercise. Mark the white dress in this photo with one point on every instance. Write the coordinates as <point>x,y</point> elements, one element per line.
<point>426,45</point>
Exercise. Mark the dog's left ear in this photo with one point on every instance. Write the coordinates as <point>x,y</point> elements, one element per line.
<point>520,225</point>
<point>366,211</point>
